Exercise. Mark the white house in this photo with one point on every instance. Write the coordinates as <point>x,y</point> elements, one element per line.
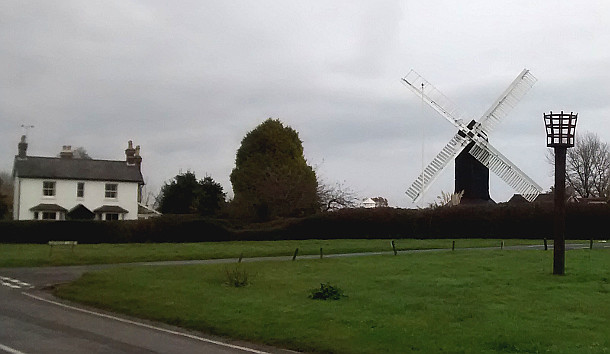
<point>59,188</point>
<point>369,203</point>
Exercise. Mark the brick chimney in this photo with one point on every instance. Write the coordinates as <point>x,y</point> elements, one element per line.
<point>66,152</point>
<point>23,148</point>
<point>129,153</point>
<point>138,158</point>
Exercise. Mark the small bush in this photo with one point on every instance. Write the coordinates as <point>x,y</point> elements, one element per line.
<point>236,276</point>
<point>326,292</point>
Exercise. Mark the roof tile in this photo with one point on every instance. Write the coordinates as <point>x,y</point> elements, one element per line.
<point>82,169</point>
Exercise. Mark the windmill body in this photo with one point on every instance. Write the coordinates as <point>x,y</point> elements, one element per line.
<point>472,172</point>
<point>471,177</point>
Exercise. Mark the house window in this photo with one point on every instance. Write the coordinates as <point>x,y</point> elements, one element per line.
<point>49,215</point>
<point>35,215</point>
<point>48,189</point>
<point>80,189</point>
<point>111,190</point>
<point>112,216</point>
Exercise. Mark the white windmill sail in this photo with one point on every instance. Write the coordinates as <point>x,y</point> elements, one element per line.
<point>507,101</point>
<point>431,172</point>
<point>434,98</point>
<point>506,170</point>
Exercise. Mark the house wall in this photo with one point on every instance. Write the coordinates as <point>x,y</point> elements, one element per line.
<point>29,192</point>
<point>16,188</point>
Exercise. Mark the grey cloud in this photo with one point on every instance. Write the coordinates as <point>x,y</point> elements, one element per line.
<point>186,80</point>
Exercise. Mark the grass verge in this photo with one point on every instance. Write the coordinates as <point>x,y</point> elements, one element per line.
<point>468,301</point>
<point>30,255</point>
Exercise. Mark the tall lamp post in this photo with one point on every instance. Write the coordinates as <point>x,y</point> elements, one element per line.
<point>560,129</point>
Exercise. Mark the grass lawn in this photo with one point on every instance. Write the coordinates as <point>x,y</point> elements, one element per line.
<point>17,255</point>
<point>466,301</point>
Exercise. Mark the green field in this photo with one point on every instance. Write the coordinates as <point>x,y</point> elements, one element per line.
<point>457,302</point>
<point>29,255</point>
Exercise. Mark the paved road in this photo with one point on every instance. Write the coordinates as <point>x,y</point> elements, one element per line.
<point>31,324</point>
<point>32,321</point>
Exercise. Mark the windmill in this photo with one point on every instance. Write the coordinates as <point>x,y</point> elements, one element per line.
<point>471,139</point>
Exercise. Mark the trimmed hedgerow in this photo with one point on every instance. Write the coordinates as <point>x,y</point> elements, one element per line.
<point>529,221</point>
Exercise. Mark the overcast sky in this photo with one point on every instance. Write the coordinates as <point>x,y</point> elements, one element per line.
<point>187,80</point>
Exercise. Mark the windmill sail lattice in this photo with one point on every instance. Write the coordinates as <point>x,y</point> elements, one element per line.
<point>447,154</point>
<point>476,132</point>
<point>507,101</point>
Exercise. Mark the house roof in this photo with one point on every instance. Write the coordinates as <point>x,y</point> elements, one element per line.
<point>80,210</point>
<point>144,210</point>
<point>592,200</point>
<point>81,169</point>
<point>517,199</point>
<point>110,209</point>
<point>545,198</point>
<point>48,207</point>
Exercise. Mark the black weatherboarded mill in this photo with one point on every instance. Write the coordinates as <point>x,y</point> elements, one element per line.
<point>472,177</point>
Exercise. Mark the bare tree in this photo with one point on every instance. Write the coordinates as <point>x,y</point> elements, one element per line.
<point>587,166</point>
<point>337,196</point>
<point>147,196</point>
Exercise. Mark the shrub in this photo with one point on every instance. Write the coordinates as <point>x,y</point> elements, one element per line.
<point>236,276</point>
<point>326,292</point>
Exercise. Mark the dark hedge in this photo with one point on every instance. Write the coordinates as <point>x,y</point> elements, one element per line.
<point>500,221</point>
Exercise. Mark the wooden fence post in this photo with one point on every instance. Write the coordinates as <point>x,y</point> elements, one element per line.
<point>295,254</point>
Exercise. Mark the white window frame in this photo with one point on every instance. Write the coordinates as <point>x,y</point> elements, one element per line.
<point>80,189</point>
<point>49,188</point>
<point>45,215</point>
<point>111,193</point>
<point>107,217</point>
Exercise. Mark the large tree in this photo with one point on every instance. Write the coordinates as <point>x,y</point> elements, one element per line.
<point>6,194</point>
<point>587,166</point>
<point>187,195</point>
<point>271,176</point>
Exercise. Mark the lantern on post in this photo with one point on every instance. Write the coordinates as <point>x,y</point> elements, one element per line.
<point>560,130</point>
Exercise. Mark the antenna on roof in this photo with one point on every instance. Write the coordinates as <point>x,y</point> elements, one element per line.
<point>26,128</point>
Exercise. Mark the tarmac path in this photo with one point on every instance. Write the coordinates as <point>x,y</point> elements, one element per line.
<point>33,321</point>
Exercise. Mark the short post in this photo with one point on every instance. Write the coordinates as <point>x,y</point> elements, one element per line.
<point>560,130</point>
<point>241,256</point>
<point>591,244</point>
<point>546,247</point>
<point>295,254</point>
<point>453,246</point>
<point>394,248</point>
<point>321,253</point>
<point>502,245</point>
